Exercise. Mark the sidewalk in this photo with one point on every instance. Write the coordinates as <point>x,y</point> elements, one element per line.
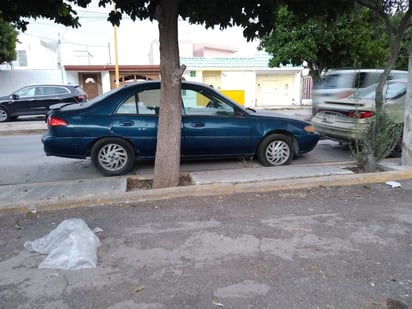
<point>115,191</point>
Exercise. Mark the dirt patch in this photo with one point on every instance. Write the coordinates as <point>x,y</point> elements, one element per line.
<point>137,183</point>
<point>358,170</point>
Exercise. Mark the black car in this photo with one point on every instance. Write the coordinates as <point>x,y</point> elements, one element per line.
<point>36,100</point>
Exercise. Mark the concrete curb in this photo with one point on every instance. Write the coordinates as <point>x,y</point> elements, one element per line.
<point>22,132</point>
<point>133,197</point>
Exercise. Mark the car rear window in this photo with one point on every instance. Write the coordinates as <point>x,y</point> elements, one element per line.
<point>79,90</point>
<point>390,91</point>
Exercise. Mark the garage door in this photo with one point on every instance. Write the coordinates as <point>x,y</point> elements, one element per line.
<point>274,90</point>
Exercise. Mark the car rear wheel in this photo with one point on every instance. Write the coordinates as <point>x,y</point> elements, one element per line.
<point>275,149</point>
<point>113,156</point>
<point>4,114</point>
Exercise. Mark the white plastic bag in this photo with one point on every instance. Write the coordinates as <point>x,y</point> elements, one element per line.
<point>70,246</point>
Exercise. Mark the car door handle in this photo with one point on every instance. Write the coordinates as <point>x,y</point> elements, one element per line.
<point>127,124</point>
<point>197,124</point>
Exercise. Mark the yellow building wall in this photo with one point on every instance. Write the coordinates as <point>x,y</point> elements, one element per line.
<point>236,95</point>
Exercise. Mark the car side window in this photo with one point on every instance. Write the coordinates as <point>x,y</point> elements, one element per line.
<point>146,102</point>
<point>360,80</point>
<point>129,106</point>
<point>50,90</point>
<point>149,102</point>
<point>196,103</point>
<point>26,92</point>
<point>57,90</point>
<point>330,81</point>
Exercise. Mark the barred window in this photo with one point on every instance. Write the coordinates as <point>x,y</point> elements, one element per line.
<point>21,60</point>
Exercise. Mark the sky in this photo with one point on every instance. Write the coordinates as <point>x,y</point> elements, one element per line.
<point>96,37</point>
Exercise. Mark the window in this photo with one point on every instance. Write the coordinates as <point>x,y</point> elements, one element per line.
<point>58,90</point>
<point>48,90</point>
<point>128,107</point>
<point>196,103</point>
<point>149,102</point>
<point>21,59</point>
<point>26,92</point>
<point>146,102</point>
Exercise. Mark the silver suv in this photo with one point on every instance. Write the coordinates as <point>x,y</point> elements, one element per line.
<point>338,84</point>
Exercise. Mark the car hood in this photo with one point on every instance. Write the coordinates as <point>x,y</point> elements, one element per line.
<point>4,98</point>
<point>266,113</point>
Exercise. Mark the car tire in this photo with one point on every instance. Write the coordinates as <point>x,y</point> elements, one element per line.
<point>113,156</point>
<point>274,150</point>
<point>4,114</point>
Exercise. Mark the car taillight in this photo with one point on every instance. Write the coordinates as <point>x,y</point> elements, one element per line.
<point>80,98</point>
<point>56,122</point>
<point>360,114</point>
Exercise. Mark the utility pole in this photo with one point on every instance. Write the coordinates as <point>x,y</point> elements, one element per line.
<point>116,59</point>
<point>407,124</point>
<point>110,55</point>
<point>59,58</point>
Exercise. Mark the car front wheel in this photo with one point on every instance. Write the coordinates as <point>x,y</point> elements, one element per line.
<point>4,114</point>
<point>275,149</point>
<point>113,156</point>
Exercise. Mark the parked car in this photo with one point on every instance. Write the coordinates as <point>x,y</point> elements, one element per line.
<point>339,84</point>
<point>36,100</point>
<point>120,126</point>
<point>346,119</point>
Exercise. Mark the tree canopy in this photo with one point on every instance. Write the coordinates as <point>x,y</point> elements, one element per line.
<point>8,40</point>
<point>352,39</point>
<point>17,11</point>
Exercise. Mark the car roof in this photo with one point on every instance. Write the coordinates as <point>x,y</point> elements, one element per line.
<point>52,85</point>
<point>158,81</point>
<point>352,70</point>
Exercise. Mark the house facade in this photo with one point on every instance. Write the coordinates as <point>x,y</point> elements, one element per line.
<point>261,86</point>
<point>247,79</point>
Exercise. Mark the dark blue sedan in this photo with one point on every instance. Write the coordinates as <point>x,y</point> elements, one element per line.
<point>120,127</point>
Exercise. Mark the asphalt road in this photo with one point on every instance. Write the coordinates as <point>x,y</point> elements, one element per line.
<point>22,160</point>
<point>344,247</point>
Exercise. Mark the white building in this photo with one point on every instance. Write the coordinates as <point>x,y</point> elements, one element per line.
<point>247,78</point>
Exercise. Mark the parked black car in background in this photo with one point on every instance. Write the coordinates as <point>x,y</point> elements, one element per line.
<point>36,100</point>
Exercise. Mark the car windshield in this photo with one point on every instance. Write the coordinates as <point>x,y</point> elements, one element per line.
<point>391,90</point>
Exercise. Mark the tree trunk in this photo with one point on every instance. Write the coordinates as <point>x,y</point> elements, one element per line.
<point>370,164</point>
<point>394,40</point>
<point>407,128</point>
<point>167,161</point>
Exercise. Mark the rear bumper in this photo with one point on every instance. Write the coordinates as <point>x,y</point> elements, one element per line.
<point>66,147</point>
<point>344,131</point>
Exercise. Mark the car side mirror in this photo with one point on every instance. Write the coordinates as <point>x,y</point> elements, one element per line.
<point>15,96</point>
